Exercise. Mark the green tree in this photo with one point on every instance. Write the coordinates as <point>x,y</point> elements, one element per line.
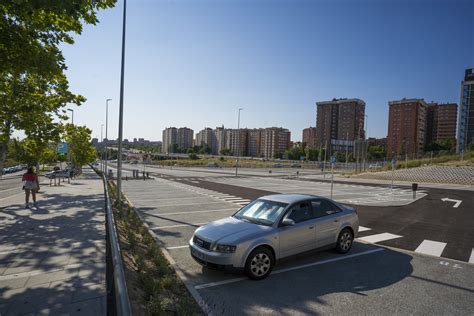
<point>311,154</point>
<point>226,152</point>
<point>80,149</point>
<point>375,152</point>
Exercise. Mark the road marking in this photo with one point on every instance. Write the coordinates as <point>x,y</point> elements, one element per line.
<point>212,284</point>
<point>457,202</point>
<point>177,247</point>
<point>430,247</point>
<point>175,226</point>
<point>471,259</point>
<point>363,229</point>
<point>378,237</point>
<point>192,212</point>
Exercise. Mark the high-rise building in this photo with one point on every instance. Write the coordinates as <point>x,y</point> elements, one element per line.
<point>220,140</point>
<point>309,137</point>
<point>406,127</point>
<point>440,122</point>
<point>255,142</point>
<point>204,137</point>
<point>170,140</point>
<point>466,112</point>
<point>236,141</point>
<point>185,138</point>
<point>275,141</point>
<point>339,121</point>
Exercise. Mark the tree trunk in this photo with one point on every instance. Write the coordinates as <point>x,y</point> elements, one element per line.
<point>4,145</point>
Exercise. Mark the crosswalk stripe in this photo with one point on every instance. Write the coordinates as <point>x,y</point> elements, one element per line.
<point>430,247</point>
<point>471,259</point>
<point>363,229</point>
<point>379,237</point>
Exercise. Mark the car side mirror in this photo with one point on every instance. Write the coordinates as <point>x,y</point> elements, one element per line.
<point>288,222</point>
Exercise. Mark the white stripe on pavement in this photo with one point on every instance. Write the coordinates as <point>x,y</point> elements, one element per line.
<point>378,237</point>
<point>363,229</point>
<point>212,284</point>
<point>471,259</point>
<point>192,212</point>
<point>430,247</point>
<point>177,247</point>
<point>175,226</point>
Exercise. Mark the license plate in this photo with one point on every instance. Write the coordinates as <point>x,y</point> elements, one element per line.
<point>196,253</point>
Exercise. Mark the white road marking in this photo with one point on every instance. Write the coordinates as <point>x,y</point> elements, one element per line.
<point>471,259</point>
<point>177,247</point>
<point>430,247</point>
<point>363,229</point>
<point>175,226</point>
<point>457,202</point>
<point>212,284</point>
<point>192,212</point>
<point>378,237</point>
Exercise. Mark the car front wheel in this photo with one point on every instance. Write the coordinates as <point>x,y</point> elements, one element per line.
<point>259,263</point>
<point>344,241</point>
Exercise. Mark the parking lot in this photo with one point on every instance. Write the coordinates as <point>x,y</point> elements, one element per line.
<point>370,279</point>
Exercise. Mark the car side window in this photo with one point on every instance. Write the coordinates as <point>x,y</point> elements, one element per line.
<point>322,208</point>
<point>301,212</point>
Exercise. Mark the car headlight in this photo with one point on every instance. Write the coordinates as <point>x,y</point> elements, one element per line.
<point>225,248</point>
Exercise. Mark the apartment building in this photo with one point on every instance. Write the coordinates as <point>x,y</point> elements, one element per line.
<point>185,138</point>
<point>466,112</point>
<point>440,122</point>
<point>170,138</point>
<point>339,121</point>
<point>406,127</point>
<point>236,141</point>
<point>309,137</point>
<point>275,142</point>
<point>255,142</point>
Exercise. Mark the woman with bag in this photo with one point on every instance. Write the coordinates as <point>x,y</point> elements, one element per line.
<point>30,185</point>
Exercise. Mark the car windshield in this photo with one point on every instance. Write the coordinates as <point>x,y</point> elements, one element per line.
<point>262,212</point>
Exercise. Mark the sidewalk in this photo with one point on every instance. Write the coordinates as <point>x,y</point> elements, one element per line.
<point>52,258</point>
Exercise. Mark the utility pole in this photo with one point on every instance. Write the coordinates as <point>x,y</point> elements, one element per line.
<point>102,149</point>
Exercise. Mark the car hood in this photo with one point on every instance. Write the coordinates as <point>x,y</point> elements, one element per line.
<point>230,230</point>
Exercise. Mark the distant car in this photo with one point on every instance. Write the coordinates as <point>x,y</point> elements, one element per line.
<point>295,165</point>
<point>212,165</point>
<point>271,228</point>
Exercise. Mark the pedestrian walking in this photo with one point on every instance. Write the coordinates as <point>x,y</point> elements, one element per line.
<point>31,186</point>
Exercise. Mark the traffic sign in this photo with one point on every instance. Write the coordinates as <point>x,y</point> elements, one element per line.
<point>333,159</point>
<point>63,148</point>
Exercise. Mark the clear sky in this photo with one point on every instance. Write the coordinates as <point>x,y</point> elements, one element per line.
<point>194,63</point>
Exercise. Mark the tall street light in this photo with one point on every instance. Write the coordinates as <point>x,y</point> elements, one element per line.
<point>106,131</point>
<point>238,143</point>
<point>72,117</point>
<point>122,75</point>
<point>102,150</point>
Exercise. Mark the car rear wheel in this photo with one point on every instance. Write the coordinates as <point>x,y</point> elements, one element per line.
<point>259,263</point>
<point>344,241</point>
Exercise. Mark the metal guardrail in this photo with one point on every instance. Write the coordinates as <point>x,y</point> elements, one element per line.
<point>117,295</point>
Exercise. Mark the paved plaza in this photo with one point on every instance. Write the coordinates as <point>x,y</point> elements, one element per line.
<point>52,258</point>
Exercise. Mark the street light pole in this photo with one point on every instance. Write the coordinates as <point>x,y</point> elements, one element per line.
<point>106,132</point>
<point>122,75</point>
<point>102,149</point>
<point>238,143</point>
<point>72,117</point>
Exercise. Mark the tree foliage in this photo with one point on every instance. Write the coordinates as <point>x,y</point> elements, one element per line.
<point>80,149</point>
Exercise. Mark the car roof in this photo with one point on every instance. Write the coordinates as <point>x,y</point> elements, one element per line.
<point>289,198</point>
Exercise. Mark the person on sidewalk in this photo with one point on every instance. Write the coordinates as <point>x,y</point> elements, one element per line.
<point>31,185</point>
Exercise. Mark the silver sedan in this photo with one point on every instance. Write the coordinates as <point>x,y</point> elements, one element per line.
<point>271,228</point>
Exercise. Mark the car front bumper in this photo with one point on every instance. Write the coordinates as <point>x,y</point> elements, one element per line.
<point>212,259</point>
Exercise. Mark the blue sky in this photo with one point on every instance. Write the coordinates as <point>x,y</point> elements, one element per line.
<point>194,63</point>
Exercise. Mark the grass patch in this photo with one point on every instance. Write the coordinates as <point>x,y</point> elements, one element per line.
<point>152,284</point>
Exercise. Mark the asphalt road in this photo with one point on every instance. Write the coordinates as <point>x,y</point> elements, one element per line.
<point>10,184</point>
<point>371,279</point>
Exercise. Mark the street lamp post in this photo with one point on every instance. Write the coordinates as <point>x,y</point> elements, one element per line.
<point>238,143</point>
<point>366,137</point>
<point>106,132</point>
<point>72,115</point>
<point>122,75</point>
<point>102,149</point>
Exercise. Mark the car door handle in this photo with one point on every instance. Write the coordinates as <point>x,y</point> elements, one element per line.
<point>336,220</point>
<point>311,227</point>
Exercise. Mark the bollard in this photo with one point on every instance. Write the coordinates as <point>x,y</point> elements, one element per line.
<point>269,171</point>
<point>148,175</point>
<point>414,187</point>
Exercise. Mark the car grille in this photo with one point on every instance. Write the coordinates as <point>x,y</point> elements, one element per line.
<point>201,243</point>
